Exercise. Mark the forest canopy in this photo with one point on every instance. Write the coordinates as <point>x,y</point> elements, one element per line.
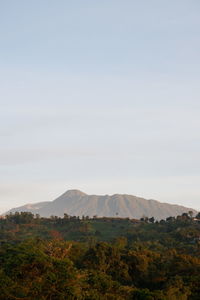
<point>99,258</point>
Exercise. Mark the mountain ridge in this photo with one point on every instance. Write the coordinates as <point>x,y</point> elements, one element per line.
<point>76,203</point>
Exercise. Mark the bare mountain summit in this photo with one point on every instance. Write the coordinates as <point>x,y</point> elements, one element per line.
<point>77,203</point>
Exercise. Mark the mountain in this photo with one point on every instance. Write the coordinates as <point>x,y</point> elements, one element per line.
<point>77,203</point>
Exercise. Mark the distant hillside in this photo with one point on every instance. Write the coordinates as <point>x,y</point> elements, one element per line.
<point>77,203</point>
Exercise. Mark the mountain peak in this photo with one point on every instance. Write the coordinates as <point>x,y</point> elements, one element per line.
<point>77,203</point>
<point>74,193</point>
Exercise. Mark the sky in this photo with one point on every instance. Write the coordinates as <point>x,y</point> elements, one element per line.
<point>100,96</point>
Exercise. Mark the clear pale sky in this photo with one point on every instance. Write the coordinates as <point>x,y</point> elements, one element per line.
<point>101,96</point>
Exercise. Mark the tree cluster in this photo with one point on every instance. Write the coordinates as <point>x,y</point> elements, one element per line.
<point>108,258</point>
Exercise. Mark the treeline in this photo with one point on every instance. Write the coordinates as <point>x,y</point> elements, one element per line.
<point>99,258</point>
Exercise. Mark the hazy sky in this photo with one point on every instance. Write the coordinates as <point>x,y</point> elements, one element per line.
<point>101,96</point>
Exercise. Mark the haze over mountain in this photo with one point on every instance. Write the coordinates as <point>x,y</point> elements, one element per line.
<point>77,203</point>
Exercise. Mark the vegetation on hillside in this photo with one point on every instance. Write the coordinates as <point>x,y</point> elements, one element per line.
<point>99,258</point>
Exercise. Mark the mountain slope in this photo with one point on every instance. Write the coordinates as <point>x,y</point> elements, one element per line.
<point>77,203</point>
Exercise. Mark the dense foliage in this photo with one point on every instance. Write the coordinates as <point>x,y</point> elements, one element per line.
<point>99,258</point>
